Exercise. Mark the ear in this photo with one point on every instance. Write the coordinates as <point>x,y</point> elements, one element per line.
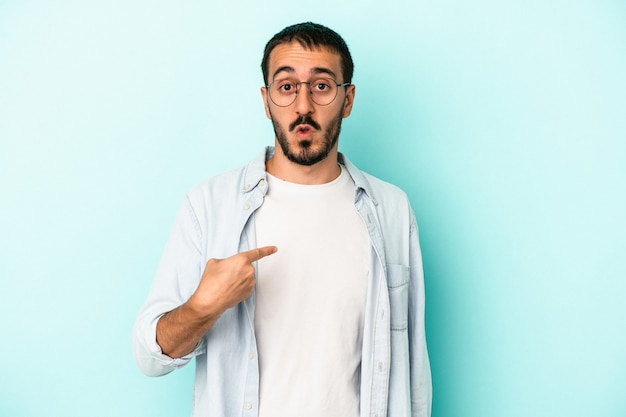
<point>349,101</point>
<point>265,103</point>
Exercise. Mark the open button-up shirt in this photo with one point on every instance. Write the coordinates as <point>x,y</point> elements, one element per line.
<point>216,221</point>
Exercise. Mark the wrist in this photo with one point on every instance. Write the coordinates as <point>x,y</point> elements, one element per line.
<point>202,309</point>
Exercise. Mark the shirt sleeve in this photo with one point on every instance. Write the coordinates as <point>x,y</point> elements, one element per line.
<point>177,277</point>
<point>421,383</point>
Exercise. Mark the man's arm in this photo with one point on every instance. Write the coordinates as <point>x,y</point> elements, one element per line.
<point>183,274</point>
<point>421,384</point>
<point>224,284</point>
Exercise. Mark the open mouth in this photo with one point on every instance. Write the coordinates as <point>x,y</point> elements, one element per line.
<point>304,130</point>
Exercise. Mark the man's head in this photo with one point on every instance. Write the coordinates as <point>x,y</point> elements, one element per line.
<point>310,36</point>
<point>307,70</point>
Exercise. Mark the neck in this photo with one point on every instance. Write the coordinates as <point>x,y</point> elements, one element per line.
<point>320,173</point>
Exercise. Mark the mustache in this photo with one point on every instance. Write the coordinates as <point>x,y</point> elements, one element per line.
<point>304,120</point>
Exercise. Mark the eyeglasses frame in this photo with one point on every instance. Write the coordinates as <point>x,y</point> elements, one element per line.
<point>310,92</point>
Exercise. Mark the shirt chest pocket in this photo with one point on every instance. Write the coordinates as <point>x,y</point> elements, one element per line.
<point>398,285</point>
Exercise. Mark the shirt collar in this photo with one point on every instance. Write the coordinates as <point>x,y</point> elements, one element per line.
<point>255,174</point>
<point>359,178</point>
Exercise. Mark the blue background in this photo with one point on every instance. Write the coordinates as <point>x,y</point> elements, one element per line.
<point>504,121</point>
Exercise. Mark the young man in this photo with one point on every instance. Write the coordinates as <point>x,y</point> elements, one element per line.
<point>295,281</point>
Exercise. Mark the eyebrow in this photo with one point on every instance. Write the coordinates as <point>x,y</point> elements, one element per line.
<point>314,71</point>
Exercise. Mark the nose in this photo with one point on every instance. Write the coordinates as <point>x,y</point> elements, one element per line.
<point>303,103</point>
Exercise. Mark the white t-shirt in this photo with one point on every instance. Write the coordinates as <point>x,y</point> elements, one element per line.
<point>310,299</point>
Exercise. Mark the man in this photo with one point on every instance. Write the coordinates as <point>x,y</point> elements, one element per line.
<point>295,281</point>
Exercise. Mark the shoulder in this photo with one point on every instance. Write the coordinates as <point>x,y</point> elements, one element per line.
<point>385,191</point>
<point>378,190</point>
<point>227,185</point>
<point>222,185</point>
<point>391,203</point>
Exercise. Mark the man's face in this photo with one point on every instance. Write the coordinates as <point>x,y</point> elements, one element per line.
<point>307,132</point>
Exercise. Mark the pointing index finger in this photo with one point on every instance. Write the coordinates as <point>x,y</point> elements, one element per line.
<point>258,253</point>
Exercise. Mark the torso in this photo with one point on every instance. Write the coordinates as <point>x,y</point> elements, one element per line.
<point>310,299</point>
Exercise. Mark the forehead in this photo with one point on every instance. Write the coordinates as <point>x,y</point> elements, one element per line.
<point>302,62</point>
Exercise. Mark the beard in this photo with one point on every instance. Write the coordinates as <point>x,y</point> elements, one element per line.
<point>304,154</point>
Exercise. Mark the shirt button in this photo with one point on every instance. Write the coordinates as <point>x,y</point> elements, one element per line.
<point>248,406</point>
<point>246,207</point>
<point>262,183</point>
<point>250,355</point>
<point>380,366</point>
<point>246,187</point>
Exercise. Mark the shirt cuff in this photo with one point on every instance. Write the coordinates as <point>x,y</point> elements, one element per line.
<point>157,353</point>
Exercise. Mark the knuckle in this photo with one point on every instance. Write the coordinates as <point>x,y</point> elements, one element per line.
<point>249,270</point>
<point>242,262</point>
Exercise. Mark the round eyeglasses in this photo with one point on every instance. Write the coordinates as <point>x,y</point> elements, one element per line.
<point>322,91</point>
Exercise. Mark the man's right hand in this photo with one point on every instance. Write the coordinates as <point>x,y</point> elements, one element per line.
<point>227,282</point>
<point>224,284</point>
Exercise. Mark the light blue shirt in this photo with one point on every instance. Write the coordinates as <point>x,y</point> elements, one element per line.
<point>216,221</point>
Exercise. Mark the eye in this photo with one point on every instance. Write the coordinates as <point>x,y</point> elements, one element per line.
<point>285,87</point>
<point>321,86</point>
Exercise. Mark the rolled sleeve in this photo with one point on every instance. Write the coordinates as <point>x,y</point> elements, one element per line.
<point>149,356</point>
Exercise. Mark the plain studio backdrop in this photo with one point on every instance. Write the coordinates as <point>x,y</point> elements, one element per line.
<point>504,121</point>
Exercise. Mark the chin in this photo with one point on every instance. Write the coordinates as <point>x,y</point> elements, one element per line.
<point>305,144</point>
